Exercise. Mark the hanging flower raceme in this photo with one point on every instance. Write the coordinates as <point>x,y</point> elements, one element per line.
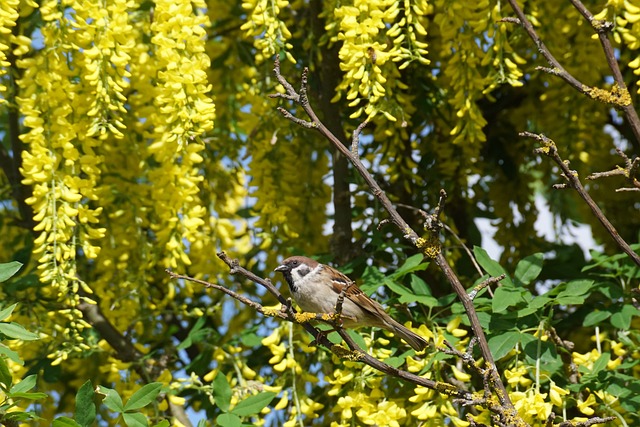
<point>184,112</point>
<point>61,166</point>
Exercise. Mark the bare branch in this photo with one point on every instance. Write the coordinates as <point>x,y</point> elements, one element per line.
<point>619,94</point>
<point>588,423</point>
<point>629,171</point>
<point>484,284</point>
<point>549,149</point>
<point>340,300</point>
<point>355,139</point>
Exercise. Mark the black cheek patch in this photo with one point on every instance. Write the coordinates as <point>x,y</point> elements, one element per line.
<point>303,270</point>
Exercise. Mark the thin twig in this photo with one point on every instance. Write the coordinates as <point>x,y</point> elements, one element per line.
<point>484,284</point>
<point>425,215</point>
<point>603,29</point>
<point>629,172</point>
<point>549,149</point>
<point>355,139</point>
<point>619,94</point>
<point>587,423</point>
<point>340,300</point>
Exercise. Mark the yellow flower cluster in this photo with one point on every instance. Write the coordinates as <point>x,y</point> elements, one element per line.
<point>53,164</point>
<point>269,32</point>
<point>287,182</point>
<point>372,41</point>
<point>103,34</point>
<point>184,113</point>
<point>61,165</point>
<point>531,406</point>
<point>292,374</point>
<point>459,23</point>
<point>626,15</point>
<point>8,17</point>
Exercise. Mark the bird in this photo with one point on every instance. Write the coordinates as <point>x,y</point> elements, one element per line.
<point>316,288</point>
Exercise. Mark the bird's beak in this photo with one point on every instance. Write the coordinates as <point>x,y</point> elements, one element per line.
<point>281,267</point>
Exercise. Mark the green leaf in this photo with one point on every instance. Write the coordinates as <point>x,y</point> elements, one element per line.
<point>253,404</point>
<point>422,299</point>
<point>251,339</point>
<point>543,352</point>
<point>196,334</point>
<point>539,302</point>
<point>505,297</point>
<point>595,317</point>
<point>228,420</point>
<point>112,399</point>
<point>601,363</point>
<point>420,293</point>
<point>371,279</point>
<point>20,416</point>
<point>14,356</point>
<point>570,300</point>
<point>28,395</point>
<point>622,319</point>
<point>14,331</point>
<point>395,361</point>
<point>25,385</point>
<point>490,266</point>
<point>529,268</point>
<point>413,263</point>
<point>355,335</point>
<point>9,269</point>
<point>502,344</point>
<point>6,379</point>
<point>143,397</point>
<point>577,288</point>
<point>135,419</point>
<point>222,392</point>
<point>85,407</point>
<point>419,286</point>
<point>6,312</point>
<point>65,422</point>
<point>397,288</point>
<point>163,423</point>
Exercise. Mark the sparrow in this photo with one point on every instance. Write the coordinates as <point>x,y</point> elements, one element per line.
<point>316,288</point>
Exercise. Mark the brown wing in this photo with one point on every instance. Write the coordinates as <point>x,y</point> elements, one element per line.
<point>355,294</point>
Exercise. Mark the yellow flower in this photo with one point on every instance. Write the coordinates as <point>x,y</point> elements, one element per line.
<point>586,406</point>
<point>268,31</point>
<point>556,393</point>
<point>517,376</point>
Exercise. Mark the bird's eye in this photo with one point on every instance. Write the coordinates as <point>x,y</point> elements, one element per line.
<point>294,263</point>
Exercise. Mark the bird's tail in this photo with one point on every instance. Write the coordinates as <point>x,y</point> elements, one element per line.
<point>414,340</point>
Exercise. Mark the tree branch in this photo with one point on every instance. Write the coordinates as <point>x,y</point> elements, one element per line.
<point>354,353</point>
<point>628,172</point>
<point>619,94</point>
<point>549,149</point>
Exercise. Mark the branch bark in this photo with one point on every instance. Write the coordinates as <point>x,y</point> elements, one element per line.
<point>550,150</point>
<point>619,95</point>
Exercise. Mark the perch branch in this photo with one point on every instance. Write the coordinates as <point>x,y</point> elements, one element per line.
<point>354,353</point>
